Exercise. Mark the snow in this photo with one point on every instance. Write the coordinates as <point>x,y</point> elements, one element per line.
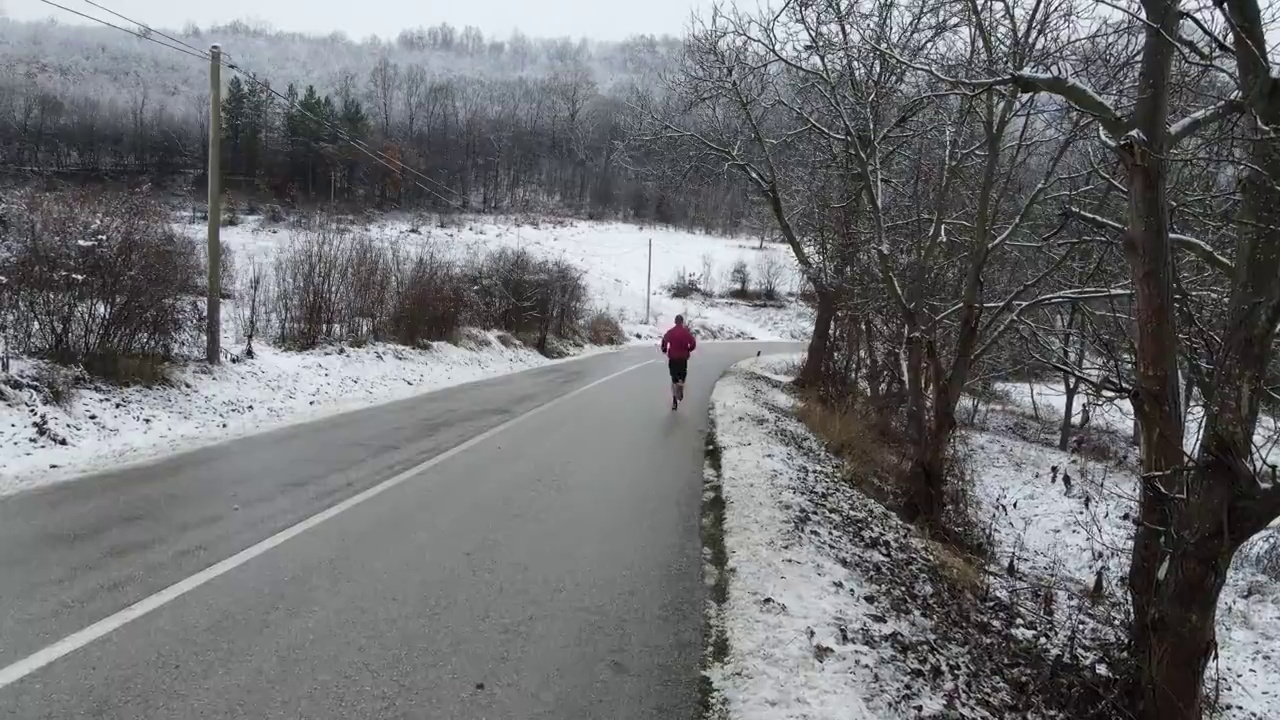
<point>779,588</point>
<point>109,427</point>
<point>615,258</point>
<point>1116,416</point>
<point>1073,534</point>
<point>832,610</point>
<point>811,561</point>
<point>101,427</point>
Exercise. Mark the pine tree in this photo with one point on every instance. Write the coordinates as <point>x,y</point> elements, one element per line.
<point>355,124</point>
<point>235,110</point>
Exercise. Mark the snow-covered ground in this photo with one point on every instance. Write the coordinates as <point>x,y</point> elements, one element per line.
<point>1116,415</point>
<point>101,427</point>
<point>615,258</point>
<point>835,608</point>
<point>1075,530</point>
<point>106,427</point>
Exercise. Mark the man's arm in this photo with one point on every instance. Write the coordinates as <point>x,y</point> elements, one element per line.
<point>693,341</point>
<point>663,346</point>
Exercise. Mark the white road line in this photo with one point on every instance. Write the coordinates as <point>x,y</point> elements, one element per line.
<point>75,641</point>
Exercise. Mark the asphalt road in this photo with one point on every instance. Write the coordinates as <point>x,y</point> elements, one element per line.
<point>549,568</point>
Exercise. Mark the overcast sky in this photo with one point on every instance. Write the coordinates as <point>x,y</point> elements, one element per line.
<point>596,19</point>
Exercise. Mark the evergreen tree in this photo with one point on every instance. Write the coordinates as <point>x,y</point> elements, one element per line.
<point>235,112</point>
<point>355,124</point>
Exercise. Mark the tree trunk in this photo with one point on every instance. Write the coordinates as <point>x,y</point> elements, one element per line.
<point>1064,432</point>
<point>1175,594</point>
<point>1174,579</point>
<point>927,478</point>
<point>819,341</point>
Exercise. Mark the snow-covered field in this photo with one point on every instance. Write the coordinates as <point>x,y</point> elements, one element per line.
<point>101,427</point>
<point>615,258</point>
<point>835,610</point>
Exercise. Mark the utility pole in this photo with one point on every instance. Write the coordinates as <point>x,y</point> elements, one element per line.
<point>648,283</point>
<point>213,307</point>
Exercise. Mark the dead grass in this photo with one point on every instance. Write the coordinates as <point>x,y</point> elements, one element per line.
<point>877,464</point>
<point>851,432</point>
<point>961,570</point>
<point>604,329</point>
<point>468,338</point>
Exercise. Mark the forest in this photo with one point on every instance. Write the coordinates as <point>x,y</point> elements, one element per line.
<point>439,119</point>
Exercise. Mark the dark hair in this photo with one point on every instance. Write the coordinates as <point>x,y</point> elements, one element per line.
<point>679,319</point>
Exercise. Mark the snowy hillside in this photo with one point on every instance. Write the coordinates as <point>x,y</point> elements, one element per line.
<point>55,424</point>
<point>827,605</point>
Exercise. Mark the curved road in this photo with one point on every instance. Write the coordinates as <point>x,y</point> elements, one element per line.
<point>547,565</point>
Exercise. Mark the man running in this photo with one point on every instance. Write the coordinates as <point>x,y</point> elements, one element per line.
<point>678,343</point>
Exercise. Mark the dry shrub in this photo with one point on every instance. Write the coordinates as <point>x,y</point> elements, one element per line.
<point>962,525</point>
<point>528,296</point>
<point>684,285</point>
<point>430,300</point>
<point>770,273</point>
<point>313,292</point>
<point>1101,445</point>
<point>56,383</point>
<point>961,570</point>
<point>334,284</point>
<point>100,280</point>
<point>604,329</point>
<point>852,432</point>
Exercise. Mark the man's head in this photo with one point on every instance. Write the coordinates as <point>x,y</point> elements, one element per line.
<point>679,319</point>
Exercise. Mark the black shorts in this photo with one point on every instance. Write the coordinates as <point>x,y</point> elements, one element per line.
<point>679,369</point>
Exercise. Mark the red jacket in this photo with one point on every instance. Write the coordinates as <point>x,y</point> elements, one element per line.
<point>678,343</point>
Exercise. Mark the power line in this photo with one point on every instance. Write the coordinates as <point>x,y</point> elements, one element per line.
<point>202,53</point>
<point>134,33</point>
<point>253,78</point>
<point>377,156</point>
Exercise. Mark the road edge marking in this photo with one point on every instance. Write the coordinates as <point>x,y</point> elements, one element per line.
<point>21,668</point>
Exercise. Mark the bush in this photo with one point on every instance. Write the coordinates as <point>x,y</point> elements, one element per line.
<point>312,287</point>
<point>230,213</point>
<point>430,299</point>
<point>334,285</point>
<point>100,280</point>
<point>56,383</point>
<point>770,272</point>
<point>604,329</point>
<point>684,285</point>
<point>740,277</point>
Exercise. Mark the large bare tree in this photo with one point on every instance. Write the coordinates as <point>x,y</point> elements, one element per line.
<point>1204,491</point>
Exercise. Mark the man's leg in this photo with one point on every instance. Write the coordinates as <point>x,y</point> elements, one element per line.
<point>675,377</point>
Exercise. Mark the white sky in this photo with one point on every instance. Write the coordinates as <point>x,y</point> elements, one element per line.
<point>595,19</point>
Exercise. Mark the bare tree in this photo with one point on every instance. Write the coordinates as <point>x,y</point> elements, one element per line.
<point>721,111</point>
<point>384,85</point>
<point>1203,493</point>
<point>415,96</point>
